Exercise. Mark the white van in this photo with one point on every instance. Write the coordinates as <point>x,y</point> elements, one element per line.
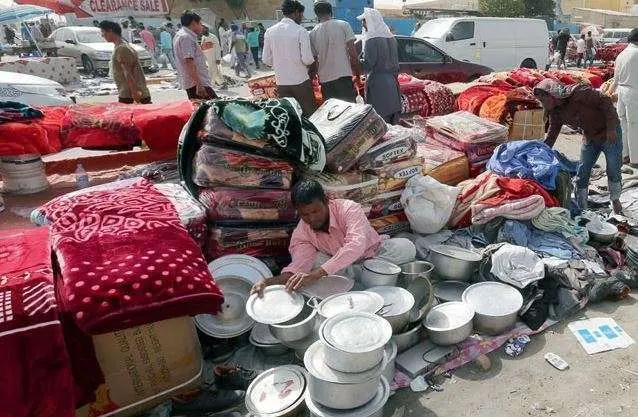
<point>498,43</point>
<point>615,35</point>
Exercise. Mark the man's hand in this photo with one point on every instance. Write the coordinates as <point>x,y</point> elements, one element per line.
<point>200,91</point>
<point>612,136</point>
<point>300,279</point>
<point>258,288</point>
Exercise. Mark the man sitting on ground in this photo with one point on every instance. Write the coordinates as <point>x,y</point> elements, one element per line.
<point>332,237</point>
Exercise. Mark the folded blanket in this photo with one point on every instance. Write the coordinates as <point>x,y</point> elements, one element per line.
<point>523,209</point>
<point>558,219</point>
<point>35,373</point>
<point>126,260</point>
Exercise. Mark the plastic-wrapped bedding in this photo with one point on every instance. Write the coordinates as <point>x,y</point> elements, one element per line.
<point>349,130</point>
<point>395,176</point>
<point>355,186</point>
<point>215,166</point>
<point>392,224</point>
<point>388,152</point>
<point>385,204</point>
<point>254,241</point>
<point>252,205</point>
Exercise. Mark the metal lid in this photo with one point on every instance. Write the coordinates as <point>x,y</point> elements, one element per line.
<point>456,252</point>
<point>276,306</point>
<point>450,290</point>
<point>315,362</point>
<point>261,335</point>
<point>366,301</point>
<point>356,332</point>
<point>369,409</point>
<point>493,298</point>
<point>380,266</point>
<point>448,316</point>
<point>327,286</point>
<point>242,265</point>
<point>276,391</point>
<point>396,300</point>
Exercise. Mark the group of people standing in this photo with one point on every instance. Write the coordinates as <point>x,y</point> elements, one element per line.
<point>330,51</point>
<point>585,49</point>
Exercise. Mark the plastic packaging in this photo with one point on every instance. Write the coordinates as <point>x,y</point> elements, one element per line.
<point>257,241</point>
<point>216,166</point>
<point>223,204</point>
<point>81,178</point>
<point>385,204</point>
<point>354,186</point>
<point>388,152</point>
<point>428,203</point>
<point>395,176</point>
<point>392,224</point>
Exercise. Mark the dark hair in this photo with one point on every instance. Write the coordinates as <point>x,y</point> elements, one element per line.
<point>589,32</point>
<point>169,25</point>
<point>289,7</point>
<point>189,17</point>
<point>108,26</point>
<point>582,36</point>
<point>125,23</point>
<point>307,191</point>
<point>633,36</point>
<point>323,8</point>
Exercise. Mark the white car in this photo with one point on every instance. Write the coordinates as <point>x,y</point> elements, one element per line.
<point>614,35</point>
<point>91,51</point>
<point>32,90</point>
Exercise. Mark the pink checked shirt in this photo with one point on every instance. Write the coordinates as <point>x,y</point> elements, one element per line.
<point>350,238</point>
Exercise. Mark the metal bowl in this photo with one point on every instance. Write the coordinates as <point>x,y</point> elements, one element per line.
<point>496,306</point>
<point>449,323</point>
<point>454,263</point>
<point>409,338</point>
<point>298,328</point>
<point>605,234</point>
<point>446,291</point>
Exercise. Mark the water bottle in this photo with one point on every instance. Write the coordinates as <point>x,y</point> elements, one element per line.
<point>81,177</point>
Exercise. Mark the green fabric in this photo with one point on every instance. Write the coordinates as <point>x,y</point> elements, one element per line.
<point>558,220</point>
<point>245,120</point>
<point>253,39</point>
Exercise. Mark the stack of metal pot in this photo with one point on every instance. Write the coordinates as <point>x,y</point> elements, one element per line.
<point>345,366</point>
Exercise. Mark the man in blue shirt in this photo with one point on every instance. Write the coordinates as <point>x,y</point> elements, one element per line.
<point>166,45</point>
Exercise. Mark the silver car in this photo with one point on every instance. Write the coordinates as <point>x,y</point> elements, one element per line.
<point>90,50</point>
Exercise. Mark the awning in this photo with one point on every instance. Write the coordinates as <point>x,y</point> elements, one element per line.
<point>58,6</point>
<point>18,13</point>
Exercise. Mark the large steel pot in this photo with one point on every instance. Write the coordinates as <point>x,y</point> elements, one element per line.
<point>283,400</point>
<point>298,328</point>
<point>377,272</point>
<point>391,352</point>
<point>350,301</point>
<point>397,306</point>
<point>454,263</point>
<point>339,390</point>
<point>414,270</point>
<point>354,341</point>
<point>496,306</point>
<point>449,323</point>
<point>373,408</point>
<point>409,338</point>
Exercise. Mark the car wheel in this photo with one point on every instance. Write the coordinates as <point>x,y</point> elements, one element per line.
<point>87,64</point>
<point>529,63</point>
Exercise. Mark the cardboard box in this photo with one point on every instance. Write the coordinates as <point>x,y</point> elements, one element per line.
<point>144,366</point>
<point>527,124</point>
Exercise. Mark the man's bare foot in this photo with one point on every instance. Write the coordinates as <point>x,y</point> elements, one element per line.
<point>616,206</point>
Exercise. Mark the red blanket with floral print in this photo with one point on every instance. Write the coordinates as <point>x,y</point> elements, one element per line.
<point>35,377</point>
<point>126,260</point>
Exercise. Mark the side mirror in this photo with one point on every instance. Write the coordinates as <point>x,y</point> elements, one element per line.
<point>449,37</point>
<point>70,41</point>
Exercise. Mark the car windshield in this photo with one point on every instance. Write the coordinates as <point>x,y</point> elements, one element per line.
<point>433,29</point>
<point>89,36</point>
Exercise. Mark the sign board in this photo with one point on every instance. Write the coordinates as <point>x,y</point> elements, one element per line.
<point>123,8</point>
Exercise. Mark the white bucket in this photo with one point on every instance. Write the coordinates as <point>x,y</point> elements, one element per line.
<point>23,174</point>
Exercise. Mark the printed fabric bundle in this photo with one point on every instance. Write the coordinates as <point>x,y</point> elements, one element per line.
<point>356,186</point>
<point>466,128</point>
<point>473,98</point>
<point>256,241</point>
<point>100,126</point>
<point>36,374</point>
<point>216,166</point>
<point>126,260</point>
<point>273,127</point>
<point>250,205</point>
<point>439,97</point>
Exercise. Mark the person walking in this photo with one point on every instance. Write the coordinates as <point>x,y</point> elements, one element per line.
<point>253,43</point>
<point>225,35</point>
<point>240,46</point>
<point>287,50</point>
<point>212,52</point>
<point>626,83</point>
<point>166,45</point>
<point>335,55</point>
<point>262,32</point>
<point>581,48</point>
<point>562,42</point>
<point>149,40</point>
<point>127,33</point>
<point>126,68</point>
<point>580,106</point>
<point>589,49</point>
<point>380,63</point>
<point>190,60</point>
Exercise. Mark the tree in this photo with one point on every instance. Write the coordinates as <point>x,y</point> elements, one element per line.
<point>502,8</point>
<point>535,8</point>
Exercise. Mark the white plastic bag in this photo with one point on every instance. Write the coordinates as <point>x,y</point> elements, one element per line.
<point>428,204</point>
<point>517,266</point>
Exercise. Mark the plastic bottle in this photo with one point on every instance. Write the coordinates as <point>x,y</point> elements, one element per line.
<point>81,177</point>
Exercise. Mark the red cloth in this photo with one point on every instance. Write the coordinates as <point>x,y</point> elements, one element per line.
<point>37,136</point>
<point>473,98</point>
<point>126,260</point>
<point>161,124</point>
<point>35,376</point>
<point>440,98</point>
<point>518,188</point>
<point>527,77</point>
<point>100,126</point>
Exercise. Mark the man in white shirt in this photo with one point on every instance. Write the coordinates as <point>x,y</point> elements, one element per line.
<point>581,47</point>
<point>332,44</point>
<point>287,50</point>
<point>626,83</point>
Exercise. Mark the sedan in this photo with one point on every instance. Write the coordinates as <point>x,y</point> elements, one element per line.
<point>91,51</point>
<point>32,90</point>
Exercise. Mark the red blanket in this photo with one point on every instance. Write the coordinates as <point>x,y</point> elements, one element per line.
<point>126,260</point>
<point>35,377</point>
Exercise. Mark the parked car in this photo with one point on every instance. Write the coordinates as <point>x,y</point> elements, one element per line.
<point>91,51</point>
<point>500,43</point>
<point>32,90</point>
<point>614,35</point>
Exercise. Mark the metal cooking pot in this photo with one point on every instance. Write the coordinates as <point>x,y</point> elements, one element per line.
<point>496,306</point>
<point>351,301</point>
<point>604,233</point>
<point>377,272</point>
<point>391,352</point>
<point>296,329</point>
<point>374,408</point>
<point>339,390</point>
<point>284,400</point>
<point>408,338</point>
<point>449,323</point>
<point>413,270</point>
<point>397,306</point>
<point>354,342</point>
<point>454,263</point>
